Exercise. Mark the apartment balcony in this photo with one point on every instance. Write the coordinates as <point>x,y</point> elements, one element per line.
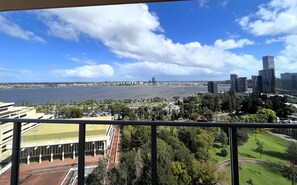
<point>234,162</point>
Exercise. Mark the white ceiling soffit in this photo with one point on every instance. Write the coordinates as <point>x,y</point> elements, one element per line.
<point>10,5</point>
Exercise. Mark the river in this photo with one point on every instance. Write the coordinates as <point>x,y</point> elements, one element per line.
<point>67,94</point>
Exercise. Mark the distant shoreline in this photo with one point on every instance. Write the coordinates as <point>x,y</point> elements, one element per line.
<point>4,86</point>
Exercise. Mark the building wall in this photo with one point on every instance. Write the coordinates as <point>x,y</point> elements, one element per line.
<point>212,87</point>
<point>268,62</point>
<point>51,152</point>
<point>233,82</point>
<point>8,110</point>
<point>268,80</point>
<point>242,84</point>
<point>289,81</point>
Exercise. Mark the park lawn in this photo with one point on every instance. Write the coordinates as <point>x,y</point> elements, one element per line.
<point>214,153</point>
<point>274,149</point>
<point>267,175</point>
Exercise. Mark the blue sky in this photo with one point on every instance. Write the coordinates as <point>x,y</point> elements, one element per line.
<point>191,40</point>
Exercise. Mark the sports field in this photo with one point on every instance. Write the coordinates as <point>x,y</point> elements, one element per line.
<point>49,132</point>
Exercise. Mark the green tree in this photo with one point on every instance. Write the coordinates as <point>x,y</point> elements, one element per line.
<point>292,153</point>
<point>198,140</point>
<point>222,138</point>
<point>204,173</point>
<point>260,147</point>
<point>242,135</point>
<point>291,174</point>
<point>97,177</point>
<point>268,114</point>
<point>180,170</point>
<point>116,176</point>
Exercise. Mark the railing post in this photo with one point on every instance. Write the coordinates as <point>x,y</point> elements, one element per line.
<point>14,177</point>
<point>154,154</point>
<point>81,154</point>
<point>234,155</point>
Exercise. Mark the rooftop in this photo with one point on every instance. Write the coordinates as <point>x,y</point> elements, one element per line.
<point>63,133</point>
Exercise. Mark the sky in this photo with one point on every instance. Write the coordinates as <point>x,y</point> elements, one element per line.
<point>185,41</point>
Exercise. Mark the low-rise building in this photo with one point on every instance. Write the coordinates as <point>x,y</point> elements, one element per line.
<point>8,110</point>
<point>60,141</point>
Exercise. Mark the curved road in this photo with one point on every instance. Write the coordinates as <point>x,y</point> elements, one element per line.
<point>224,165</point>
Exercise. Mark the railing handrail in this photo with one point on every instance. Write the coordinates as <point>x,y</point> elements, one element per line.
<point>153,123</point>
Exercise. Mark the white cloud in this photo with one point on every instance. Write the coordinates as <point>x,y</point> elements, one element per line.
<point>277,18</point>
<point>273,18</point>
<point>87,71</point>
<point>203,3</point>
<point>274,40</point>
<point>231,43</point>
<point>15,30</point>
<point>286,60</point>
<point>82,60</point>
<point>132,32</point>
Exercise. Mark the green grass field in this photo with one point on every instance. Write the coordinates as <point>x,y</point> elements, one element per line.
<point>274,149</point>
<point>261,175</point>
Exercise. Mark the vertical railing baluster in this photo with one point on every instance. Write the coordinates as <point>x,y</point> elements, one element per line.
<point>14,177</point>
<point>154,154</point>
<point>234,155</point>
<point>81,154</point>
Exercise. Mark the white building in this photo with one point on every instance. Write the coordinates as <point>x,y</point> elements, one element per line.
<point>8,110</point>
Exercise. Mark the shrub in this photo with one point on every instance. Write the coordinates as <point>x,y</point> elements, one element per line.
<point>224,152</point>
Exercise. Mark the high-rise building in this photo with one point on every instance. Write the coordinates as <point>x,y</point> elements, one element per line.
<point>265,82</point>
<point>154,80</point>
<point>212,87</point>
<point>268,62</point>
<point>289,81</point>
<point>268,80</point>
<point>242,84</point>
<point>257,84</point>
<point>233,82</point>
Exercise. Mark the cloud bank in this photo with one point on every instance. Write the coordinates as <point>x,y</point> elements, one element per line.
<point>135,33</point>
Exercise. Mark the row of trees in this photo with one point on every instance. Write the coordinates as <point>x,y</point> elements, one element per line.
<point>183,157</point>
<point>241,108</point>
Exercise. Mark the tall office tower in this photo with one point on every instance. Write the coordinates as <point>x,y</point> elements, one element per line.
<point>267,75</point>
<point>257,84</point>
<point>289,81</point>
<point>268,62</point>
<point>212,87</point>
<point>233,82</point>
<point>268,80</point>
<point>153,80</point>
<point>242,84</point>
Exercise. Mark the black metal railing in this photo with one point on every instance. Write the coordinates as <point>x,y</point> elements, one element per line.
<point>82,133</point>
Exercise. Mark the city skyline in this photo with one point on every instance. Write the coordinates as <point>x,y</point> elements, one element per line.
<point>92,44</point>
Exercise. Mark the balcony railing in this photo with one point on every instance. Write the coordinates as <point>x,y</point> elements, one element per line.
<point>82,133</point>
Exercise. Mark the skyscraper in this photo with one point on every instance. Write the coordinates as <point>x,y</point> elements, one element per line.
<point>242,85</point>
<point>289,81</point>
<point>212,87</point>
<point>268,62</point>
<point>154,80</point>
<point>257,84</point>
<point>268,75</point>
<point>233,82</point>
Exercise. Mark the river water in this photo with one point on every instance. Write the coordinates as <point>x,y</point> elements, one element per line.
<point>67,94</point>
